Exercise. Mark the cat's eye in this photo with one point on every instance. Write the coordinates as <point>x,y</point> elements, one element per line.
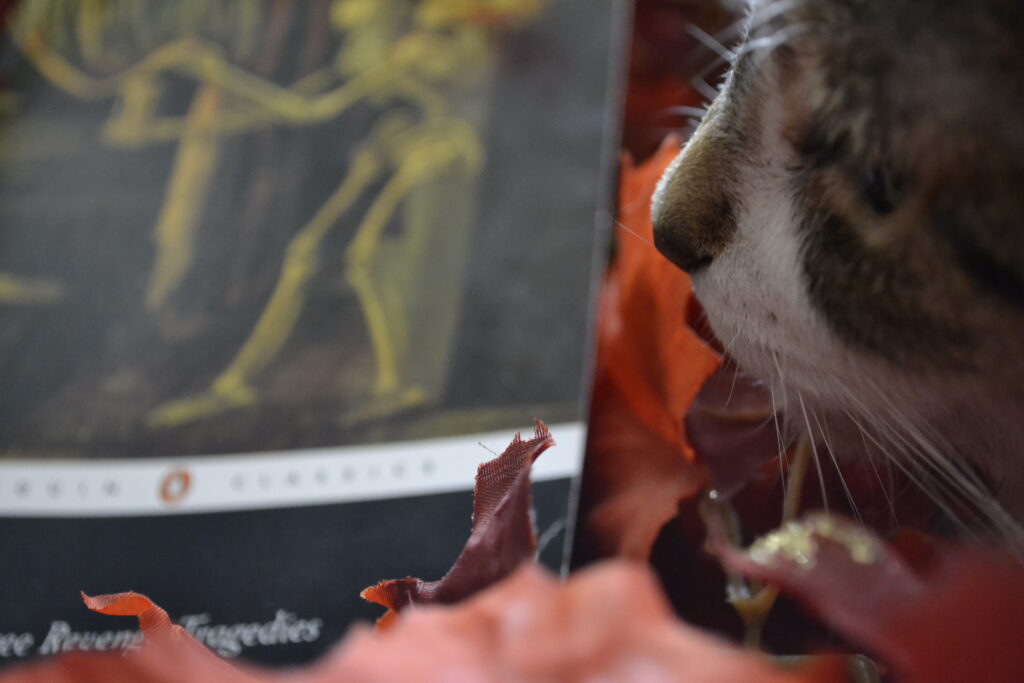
<point>882,189</point>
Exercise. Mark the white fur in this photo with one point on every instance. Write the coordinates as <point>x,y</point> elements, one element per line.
<point>757,302</point>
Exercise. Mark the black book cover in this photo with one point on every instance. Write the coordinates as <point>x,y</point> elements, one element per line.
<point>270,274</point>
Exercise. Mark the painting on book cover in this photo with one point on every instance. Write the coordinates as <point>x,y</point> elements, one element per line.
<point>253,225</point>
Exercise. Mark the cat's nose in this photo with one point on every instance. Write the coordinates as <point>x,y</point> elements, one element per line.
<point>693,209</point>
<point>689,221</point>
<point>675,244</point>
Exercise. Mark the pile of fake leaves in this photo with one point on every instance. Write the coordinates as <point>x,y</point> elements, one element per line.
<point>669,422</point>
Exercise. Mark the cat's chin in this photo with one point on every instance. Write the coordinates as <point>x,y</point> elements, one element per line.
<point>940,430</point>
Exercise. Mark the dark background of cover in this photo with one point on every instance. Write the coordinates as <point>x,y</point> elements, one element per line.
<point>521,349</point>
<point>240,567</point>
<point>524,344</point>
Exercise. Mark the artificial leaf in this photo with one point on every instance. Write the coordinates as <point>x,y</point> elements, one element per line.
<point>164,661</point>
<point>645,345</point>
<point>633,482</point>
<point>606,623</point>
<point>955,617</point>
<point>169,654</point>
<point>733,428</point>
<point>650,365</point>
<point>501,539</point>
<point>153,620</point>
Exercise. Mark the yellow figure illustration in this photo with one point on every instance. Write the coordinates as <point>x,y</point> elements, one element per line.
<point>24,291</point>
<point>422,65</point>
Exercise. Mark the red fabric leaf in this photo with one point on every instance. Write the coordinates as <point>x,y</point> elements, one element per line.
<point>169,655</point>
<point>175,661</point>
<point>607,623</point>
<point>152,619</point>
<point>650,365</point>
<point>502,537</point>
<point>958,616</point>
<point>732,428</point>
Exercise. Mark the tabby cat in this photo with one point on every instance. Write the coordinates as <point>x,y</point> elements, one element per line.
<point>851,212</point>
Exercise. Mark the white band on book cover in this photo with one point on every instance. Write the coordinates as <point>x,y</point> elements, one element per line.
<point>221,483</point>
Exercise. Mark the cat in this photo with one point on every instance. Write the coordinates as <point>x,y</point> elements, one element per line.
<point>851,212</point>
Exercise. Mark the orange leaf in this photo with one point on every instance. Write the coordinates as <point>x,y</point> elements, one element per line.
<point>648,350</point>
<point>169,655</point>
<point>152,619</point>
<point>650,366</point>
<point>607,623</point>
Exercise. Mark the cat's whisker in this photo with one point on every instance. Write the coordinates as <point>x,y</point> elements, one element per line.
<point>921,479</point>
<point>704,60</point>
<point>814,452</point>
<point>783,458</point>
<point>734,31</point>
<point>886,492</point>
<point>777,364</point>
<point>709,69</point>
<point>965,512</point>
<point>635,234</point>
<point>971,493</point>
<point>709,41</point>
<point>701,86</point>
<point>823,429</point>
<point>944,500</point>
<point>685,132</point>
<point>781,441</point>
<point>935,450</point>
<point>726,346</point>
<point>942,477</point>
<point>694,113</point>
<point>881,420</point>
<point>772,41</point>
<point>694,116</point>
<point>761,15</point>
<point>732,387</point>
<point>714,67</point>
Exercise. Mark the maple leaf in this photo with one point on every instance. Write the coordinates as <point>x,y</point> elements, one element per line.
<point>502,537</point>
<point>733,428</point>
<point>953,616</point>
<point>607,623</point>
<point>169,654</point>
<point>153,620</point>
<point>646,346</point>
<point>650,366</point>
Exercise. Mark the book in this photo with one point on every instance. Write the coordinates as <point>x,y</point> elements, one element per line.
<point>273,278</point>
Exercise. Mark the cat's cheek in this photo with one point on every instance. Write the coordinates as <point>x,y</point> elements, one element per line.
<point>755,311</point>
<point>722,307</point>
